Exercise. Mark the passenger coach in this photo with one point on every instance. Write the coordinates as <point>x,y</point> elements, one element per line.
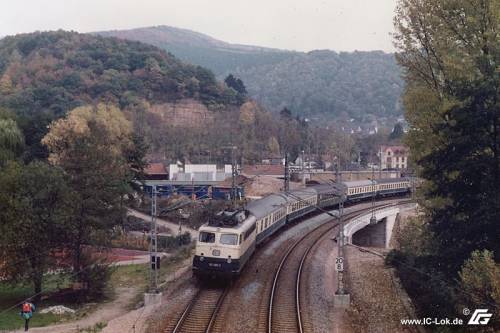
<point>227,242</point>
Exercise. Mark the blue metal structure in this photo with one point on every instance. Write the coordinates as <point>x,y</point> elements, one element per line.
<point>198,190</point>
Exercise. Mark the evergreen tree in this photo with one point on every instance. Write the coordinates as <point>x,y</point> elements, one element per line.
<point>34,216</point>
<point>397,132</point>
<point>236,84</point>
<point>11,140</point>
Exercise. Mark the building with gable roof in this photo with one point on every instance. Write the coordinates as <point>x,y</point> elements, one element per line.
<point>394,157</point>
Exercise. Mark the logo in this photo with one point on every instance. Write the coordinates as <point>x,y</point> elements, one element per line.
<point>480,317</point>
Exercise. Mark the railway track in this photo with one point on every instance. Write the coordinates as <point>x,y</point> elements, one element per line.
<point>199,315</point>
<point>286,296</point>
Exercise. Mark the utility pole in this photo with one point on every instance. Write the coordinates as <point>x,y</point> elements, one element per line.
<point>287,174</point>
<point>233,173</point>
<point>153,246</point>
<point>337,171</point>
<point>179,234</point>
<point>153,296</point>
<point>303,171</point>
<point>413,186</point>
<point>180,221</point>
<point>193,195</point>
<point>340,241</point>
<point>380,164</point>
<point>373,219</point>
<point>233,177</point>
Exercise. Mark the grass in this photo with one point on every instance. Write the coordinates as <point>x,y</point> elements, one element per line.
<point>129,276</point>
<point>137,276</point>
<point>13,294</point>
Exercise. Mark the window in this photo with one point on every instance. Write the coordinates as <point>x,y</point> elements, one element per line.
<point>250,230</point>
<point>207,237</point>
<point>229,239</point>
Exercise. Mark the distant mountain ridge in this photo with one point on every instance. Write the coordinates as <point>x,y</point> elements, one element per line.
<point>320,83</point>
<point>167,34</point>
<point>200,49</point>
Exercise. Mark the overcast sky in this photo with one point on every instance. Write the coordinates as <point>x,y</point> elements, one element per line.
<point>341,25</point>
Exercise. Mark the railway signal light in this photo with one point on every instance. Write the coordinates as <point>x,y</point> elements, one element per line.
<point>155,262</point>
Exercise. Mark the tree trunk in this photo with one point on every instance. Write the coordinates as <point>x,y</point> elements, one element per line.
<point>37,284</point>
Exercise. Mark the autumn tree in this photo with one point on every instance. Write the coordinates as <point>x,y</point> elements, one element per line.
<point>273,146</point>
<point>90,145</point>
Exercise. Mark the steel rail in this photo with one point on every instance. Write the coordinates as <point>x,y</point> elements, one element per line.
<point>349,216</point>
<point>181,322</point>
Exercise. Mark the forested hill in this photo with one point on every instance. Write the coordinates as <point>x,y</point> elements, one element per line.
<point>354,84</point>
<point>43,75</point>
<point>57,71</point>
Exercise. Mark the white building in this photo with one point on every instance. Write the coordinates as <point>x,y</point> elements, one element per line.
<point>199,172</point>
<point>394,157</point>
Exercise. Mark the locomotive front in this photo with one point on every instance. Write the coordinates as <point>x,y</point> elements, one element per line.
<point>222,249</point>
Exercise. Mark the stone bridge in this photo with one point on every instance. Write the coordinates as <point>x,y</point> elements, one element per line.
<point>360,231</point>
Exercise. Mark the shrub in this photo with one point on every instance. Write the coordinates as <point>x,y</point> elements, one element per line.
<point>94,278</point>
<point>480,283</point>
<point>172,242</point>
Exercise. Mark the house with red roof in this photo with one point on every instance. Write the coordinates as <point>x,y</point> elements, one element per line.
<point>156,171</point>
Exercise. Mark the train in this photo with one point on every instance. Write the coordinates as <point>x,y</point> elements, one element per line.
<point>227,241</point>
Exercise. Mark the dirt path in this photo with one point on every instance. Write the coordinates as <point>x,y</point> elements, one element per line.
<point>103,313</point>
<point>168,224</point>
<point>136,321</point>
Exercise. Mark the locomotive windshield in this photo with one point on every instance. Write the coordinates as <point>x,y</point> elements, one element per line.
<point>207,237</point>
<point>229,239</point>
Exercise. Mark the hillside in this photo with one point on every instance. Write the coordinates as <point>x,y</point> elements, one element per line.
<point>203,50</point>
<point>318,83</point>
<point>61,68</point>
<point>43,75</point>
<point>322,83</point>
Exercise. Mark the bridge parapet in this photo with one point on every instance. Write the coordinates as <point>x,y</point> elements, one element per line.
<point>386,213</point>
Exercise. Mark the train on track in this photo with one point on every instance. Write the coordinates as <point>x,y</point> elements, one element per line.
<point>226,242</point>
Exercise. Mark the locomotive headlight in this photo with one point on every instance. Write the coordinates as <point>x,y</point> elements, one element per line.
<point>229,260</point>
<point>202,258</point>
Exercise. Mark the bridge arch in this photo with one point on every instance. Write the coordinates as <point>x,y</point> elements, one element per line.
<point>359,231</point>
